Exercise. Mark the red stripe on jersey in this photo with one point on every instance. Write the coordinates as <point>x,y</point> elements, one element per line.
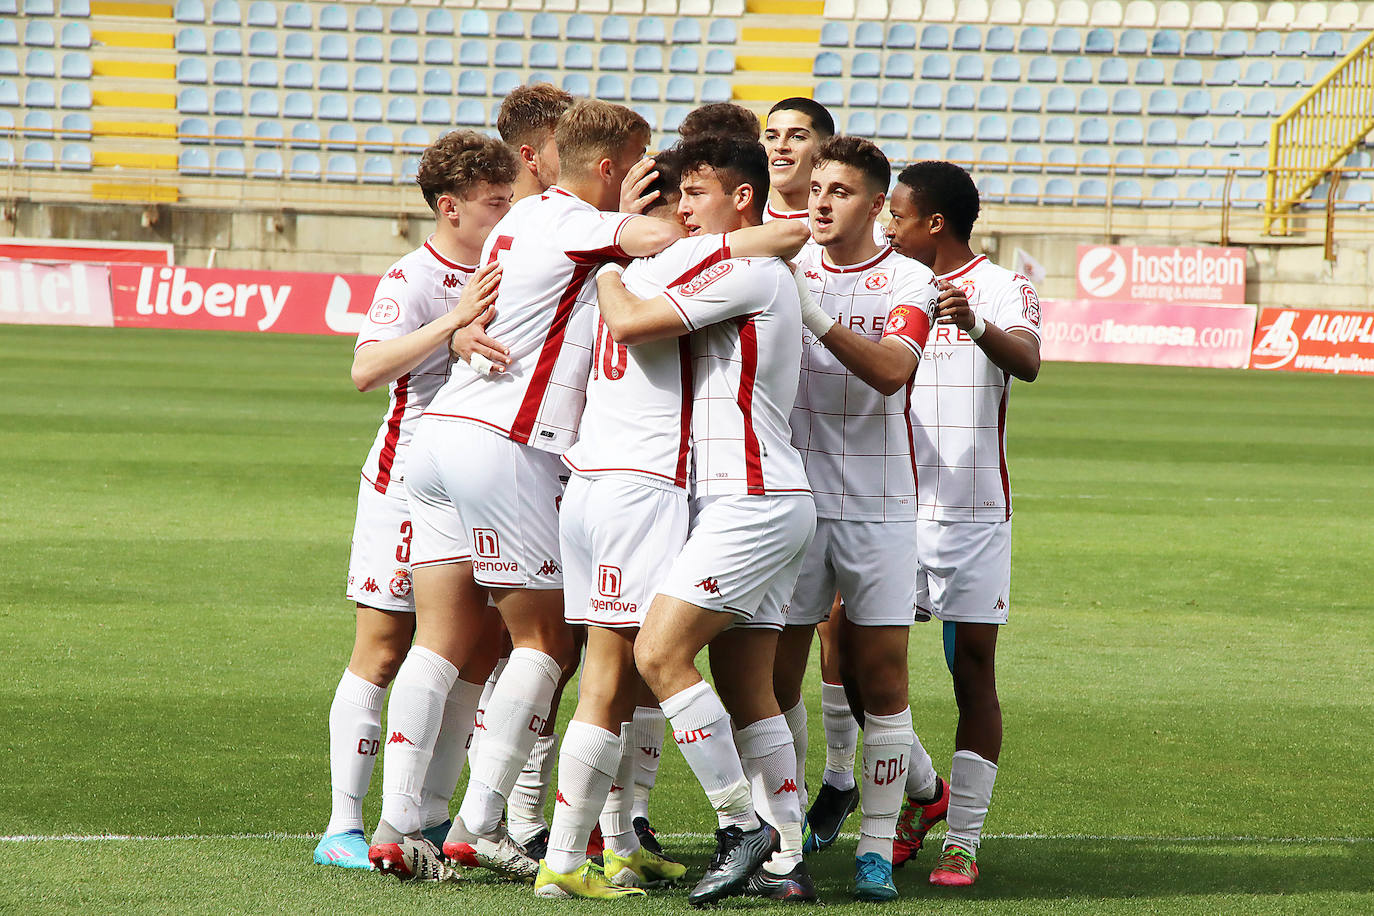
<point>966,268</point>
<point>749,367</point>
<point>855,268</point>
<point>445,261</point>
<point>523,427</point>
<point>911,438</point>
<point>1002,442</point>
<point>715,257</point>
<point>684,445</point>
<point>393,434</point>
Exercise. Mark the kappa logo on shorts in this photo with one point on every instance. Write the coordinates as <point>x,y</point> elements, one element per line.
<point>400,583</point>
<point>550,568</point>
<point>1001,605</point>
<point>608,581</point>
<point>704,279</point>
<point>370,585</point>
<point>709,585</point>
<point>486,543</point>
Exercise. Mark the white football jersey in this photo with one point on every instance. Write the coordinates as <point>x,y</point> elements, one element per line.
<point>417,289</point>
<point>959,402</point>
<point>639,399</point>
<point>746,347</point>
<point>549,246</point>
<point>857,443</point>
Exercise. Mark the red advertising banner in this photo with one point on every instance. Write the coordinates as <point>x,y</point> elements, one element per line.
<point>1314,340</point>
<point>1134,273</point>
<point>1153,334</point>
<point>240,300</point>
<point>70,294</point>
<point>90,252</point>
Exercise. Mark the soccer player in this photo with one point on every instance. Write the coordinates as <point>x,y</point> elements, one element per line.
<point>625,510</point>
<point>404,343</point>
<point>753,517</point>
<point>959,406</point>
<point>724,119</point>
<point>852,426</point>
<point>794,131</point>
<point>489,446</point>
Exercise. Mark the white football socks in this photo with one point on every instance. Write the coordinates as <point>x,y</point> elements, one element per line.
<point>525,807</point>
<point>414,715</point>
<point>770,762</point>
<point>921,781</point>
<point>970,793</point>
<point>646,745</point>
<point>355,728</point>
<point>841,737</point>
<point>887,750</point>
<point>701,728</point>
<point>796,724</point>
<point>487,688</point>
<point>513,720</point>
<point>617,815</point>
<point>586,767</point>
<point>450,752</point>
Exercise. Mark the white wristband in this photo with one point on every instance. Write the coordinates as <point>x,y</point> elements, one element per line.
<point>612,267</point>
<point>979,326</point>
<point>480,364</point>
<point>812,315</point>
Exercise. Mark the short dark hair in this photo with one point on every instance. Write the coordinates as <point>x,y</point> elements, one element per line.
<point>669,176</point>
<point>592,130</point>
<point>857,153</point>
<point>821,120</point>
<point>947,189</point>
<point>529,113</point>
<point>735,161</point>
<point>460,160</point>
<point>723,118</point>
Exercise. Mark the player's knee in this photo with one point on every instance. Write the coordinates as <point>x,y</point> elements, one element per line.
<point>650,661</point>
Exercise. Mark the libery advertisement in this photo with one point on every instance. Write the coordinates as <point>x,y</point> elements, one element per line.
<point>1144,273</point>
<point>61,294</point>
<point>1314,340</point>
<point>1148,333</point>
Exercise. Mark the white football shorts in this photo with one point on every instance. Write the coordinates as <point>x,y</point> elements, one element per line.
<point>616,534</point>
<point>503,496</point>
<point>742,556</point>
<point>868,563</point>
<point>964,570</point>
<point>379,560</point>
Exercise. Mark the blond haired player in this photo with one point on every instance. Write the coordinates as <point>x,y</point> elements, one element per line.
<point>404,344</point>
<point>959,406</point>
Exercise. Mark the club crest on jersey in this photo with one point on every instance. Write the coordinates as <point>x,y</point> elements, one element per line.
<point>1030,305</point>
<point>400,583</point>
<point>967,287</point>
<point>897,321</point>
<point>704,279</point>
<point>876,281</point>
<point>384,311</point>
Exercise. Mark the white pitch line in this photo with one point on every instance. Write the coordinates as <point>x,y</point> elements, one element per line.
<point>1051,837</point>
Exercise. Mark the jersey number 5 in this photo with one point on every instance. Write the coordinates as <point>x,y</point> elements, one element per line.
<point>608,357</point>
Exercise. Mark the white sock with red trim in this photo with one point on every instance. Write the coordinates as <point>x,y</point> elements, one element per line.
<point>701,728</point>
<point>525,807</point>
<point>841,737</point>
<point>887,749</point>
<point>796,724</point>
<point>513,718</point>
<point>770,762</point>
<point>646,744</point>
<point>414,715</point>
<point>355,728</point>
<point>586,768</point>
<point>450,752</point>
<point>971,779</point>
<point>617,815</point>
<point>487,688</point>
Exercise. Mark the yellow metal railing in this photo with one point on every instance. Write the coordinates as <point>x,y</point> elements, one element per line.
<point>1313,136</point>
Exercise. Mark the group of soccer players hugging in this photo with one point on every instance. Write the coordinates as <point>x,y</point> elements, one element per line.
<point>640,411</point>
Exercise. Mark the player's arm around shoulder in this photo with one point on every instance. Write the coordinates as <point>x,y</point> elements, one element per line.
<point>383,355</point>
<point>1017,350</point>
<point>644,236</point>
<point>630,318</point>
<point>778,238</point>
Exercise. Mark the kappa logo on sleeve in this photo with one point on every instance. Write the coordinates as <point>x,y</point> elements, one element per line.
<point>384,311</point>
<point>704,279</point>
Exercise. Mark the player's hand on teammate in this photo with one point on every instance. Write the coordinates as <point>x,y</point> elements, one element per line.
<point>951,307</point>
<point>472,340</point>
<point>479,295</point>
<point>637,180</point>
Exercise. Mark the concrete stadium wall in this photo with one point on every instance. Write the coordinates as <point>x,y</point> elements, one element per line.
<point>1282,273</point>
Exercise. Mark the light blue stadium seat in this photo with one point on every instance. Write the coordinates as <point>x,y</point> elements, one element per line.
<point>334,19</point>
<point>868,35</point>
<point>1078,70</point>
<point>1166,41</point>
<point>1228,135</point>
<point>722,32</point>
<point>863,95</point>
<point>923,151</point>
<point>402,79</point>
<point>1262,104</point>
<point>76,157</point>
<point>415,139</point>
<point>1197,103</point>
<point>262,15</point>
<point>672,117</point>
<point>959,127</point>
<point>1162,133</point>
<point>1186,73</point>
<point>1328,44</point>
<point>440,22</point>
<point>959,152</point>
<point>544,55</point>
<point>1092,130</point>
<point>650,30</point>
<point>226,12</point>
<point>9,97</point>
<point>1201,192</point>
<point>1061,99</point>
<point>1058,192</point>
<point>834,35</point>
<point>267,164</point>
<point>411,165</point>
<point>506,82</point>
<point>436,111</point>
<point>227,102</point>
<point>1000,38</point>
<point>1290,74</point>
<point>333,107</point>
<point>827,63</point>
<point>1295,44</point>
<point>298,76</point>
<point>470,82</point>
<point>367,78</point>
<point>76,96</point>
<point>39,155</point>
<point>866,64</point>
<point>1024,190</point>
<point>193,101</point>
<point>902,36</point>
<point>263,104</point>
<point>262,44</point>
<point>992,98</point>
<point>1027,98</point>
<point>229,163</point>
<point>192,70</point>
<point>610,87</point>
<point>1164,163</point>
<point>648,59</point>
<point>1027,130</point>
<point>298,45</point>
<point>959,98</point>
<point>1127,193</point>
<point>38,8</point>
<point>967,38</point>
<point>298,105</point>
<point>227,73</point>
<point>333,47</point>
<point>405,21</point>
<point>404,50</point>
<point>1099,41</point>
<point>1165,194</point>
<point>895,152</point>
<point>580,27</point>
<point>401,110</point>
<point>38,124</point>
<point>1128,132</point>
<point>1066,41</point>
<point>1114,70</point>
<point>1229,103</point>
<point>1199,133</point>
<point>926,127</point>
<point>228,132</point>
<point>1060,161</point>
<point>40,35</point>
<point>894,95</point>
<point>969,67</point>
<point>891,126</point>
<point>334,77</point>
<point>228,42</point>
<point>577,57</point>
<point>644,89</point>
<point>76,35</point>
<point>577,84</point>
<point>934,38</point>
<point>1095,160</point>
<point>40,64</point>
<point>862,124</point>
<point>926,95</point>
<point>1199,159</point>
<point>79,9</point>
<point>648,113</point>
<point>508,54</point>
<point>995,158</point>
<point>682,89</point>
<point>687,32</point>
<point>935,67</point>
<point>1257,73</point>
<point>512,25</point>
<point>193,162</point>
<point>1042,70</point>
<point>189,11</point>
<point>1150,72</point>
<point>1093,100</point>
<point>615,28</point>
<point>304,167</point>
<point>1132,41</point>
<point>991,189</point>
<point>1006,69</point>
<point>377,170</point>
<point>1232,44</point>
<point>830,94</point>
<point>1266,44</point>
<point>194,131</point>
<point>473,53</point>
<point>715,89</point>
<point>1092,192</point>
<point>1127,102</point>
<point>1199,44</point>
<point>378,139</point>
<point>992,128</point>
<point>439,51</point>
<point>718,60</point>
<point>1258,134</point>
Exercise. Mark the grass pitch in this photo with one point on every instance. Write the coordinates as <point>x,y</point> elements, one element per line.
<point>1186,680</point>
